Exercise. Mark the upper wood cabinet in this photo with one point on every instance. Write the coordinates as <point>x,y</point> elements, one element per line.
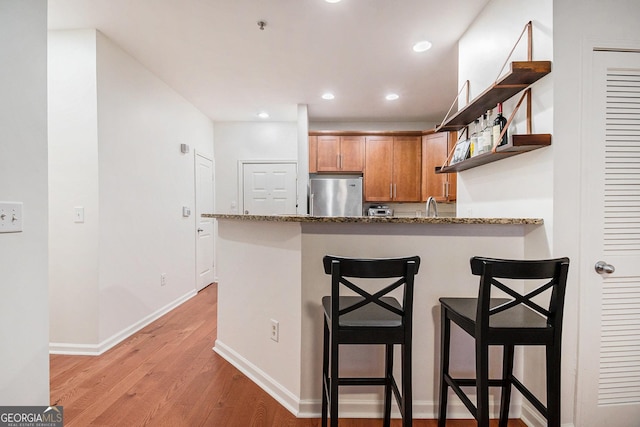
<point>339,153</point>
<point>313,154</point>
<point>392,169</point>
<point>378,174</point>
<point>435,150</point>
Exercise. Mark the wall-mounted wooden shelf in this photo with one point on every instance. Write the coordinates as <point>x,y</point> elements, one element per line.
<point>521,76</point>
<point>519,144</point>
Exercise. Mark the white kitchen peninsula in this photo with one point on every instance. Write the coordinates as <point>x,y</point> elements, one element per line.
<point>270,269</point>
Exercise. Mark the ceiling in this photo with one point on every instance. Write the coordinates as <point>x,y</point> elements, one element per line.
<point>214,54</point>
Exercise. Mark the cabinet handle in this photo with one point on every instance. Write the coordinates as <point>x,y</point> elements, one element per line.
<point>395,190</point>
<point>391,191</point>
<point>338,161</point>
<point>446,189</point>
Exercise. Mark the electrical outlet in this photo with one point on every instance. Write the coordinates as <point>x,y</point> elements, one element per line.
<point>163,279</point>
<point>275,330</point>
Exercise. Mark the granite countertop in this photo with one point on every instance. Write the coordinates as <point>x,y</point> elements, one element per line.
<point>379,220</point>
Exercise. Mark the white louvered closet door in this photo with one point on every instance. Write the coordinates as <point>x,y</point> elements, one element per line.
<point>609,361</point>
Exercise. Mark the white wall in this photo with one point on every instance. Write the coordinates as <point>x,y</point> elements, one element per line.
<point>303,157</point>
<point>24,306</point>
<point>259,280</point>
<point>144,182</point>
<point>236,141</point>
<point>73,181</point>
<point>520,186</point>
<point>126,169</point>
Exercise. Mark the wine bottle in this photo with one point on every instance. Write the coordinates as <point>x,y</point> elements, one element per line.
<point>498,125</point>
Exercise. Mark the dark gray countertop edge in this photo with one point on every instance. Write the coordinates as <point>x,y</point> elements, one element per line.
<point>378,220</point>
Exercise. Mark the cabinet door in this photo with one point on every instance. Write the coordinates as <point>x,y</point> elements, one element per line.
<point>352,153</point>
<point>328,153</point>
<point>435,150</point>
<point>434,154</point>
<point>406,168</point>
<point>378,171</point>
<point>313,154</point>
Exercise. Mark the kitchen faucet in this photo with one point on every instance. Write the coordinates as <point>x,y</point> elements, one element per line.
<point>431,204</point>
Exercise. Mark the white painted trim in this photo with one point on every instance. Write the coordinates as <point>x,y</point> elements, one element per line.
<point>287,399</point>
<point>98,349</point>
<point>373,409</point>
<point>349,408</point>
<point>532,418</point>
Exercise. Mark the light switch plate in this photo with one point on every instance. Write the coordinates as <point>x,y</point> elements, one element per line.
<point>78,214</point>
<point>186,211</point>
<point>10,217</point>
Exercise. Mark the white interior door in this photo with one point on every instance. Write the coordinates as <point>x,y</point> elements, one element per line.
<point>269,188</point>
<point>609,358</point>
<point>205,244</point>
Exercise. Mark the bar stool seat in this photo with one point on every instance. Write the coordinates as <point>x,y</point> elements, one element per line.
<point>368,317</point>
<point>508,322</point>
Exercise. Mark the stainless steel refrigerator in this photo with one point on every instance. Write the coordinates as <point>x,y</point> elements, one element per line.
<point>335,197</point>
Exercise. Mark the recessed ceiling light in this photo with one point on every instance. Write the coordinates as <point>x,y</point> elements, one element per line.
<point>392,97</point>
<point>263,115</point>
<point>332,1</point>
<point>422,46</point>
<point>328,96</point>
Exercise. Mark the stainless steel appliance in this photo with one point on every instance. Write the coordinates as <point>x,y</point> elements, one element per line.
<point>380,210</point>
<point>335,196</point>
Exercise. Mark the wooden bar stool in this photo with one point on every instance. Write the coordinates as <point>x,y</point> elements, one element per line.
<point>507,322</point>
<point>368,318</point>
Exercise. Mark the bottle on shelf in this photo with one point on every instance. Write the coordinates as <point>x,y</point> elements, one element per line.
<point>498,124</point>
<point>485,140</point>
<point>473,146</point>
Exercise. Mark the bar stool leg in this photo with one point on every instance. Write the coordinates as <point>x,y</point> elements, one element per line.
<point>325,373</point>
<point>445,338</point>
<point>407,397</point>
<point>388,374</point>
<point>553,385</point>
<point>507,372</point>
<point>482,383</point>
<point>334,382</point>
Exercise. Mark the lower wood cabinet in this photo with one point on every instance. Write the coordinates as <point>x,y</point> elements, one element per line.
<point>392,169</point>
<point>435,150</point>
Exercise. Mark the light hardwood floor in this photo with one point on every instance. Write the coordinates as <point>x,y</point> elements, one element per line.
<point>168,375</point>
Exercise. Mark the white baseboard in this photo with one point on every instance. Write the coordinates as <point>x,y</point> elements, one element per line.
<point>359,408</point>
<point>532,418</point>
<point>348,408</point>
<point>287,399</point>
<point>98,349</point>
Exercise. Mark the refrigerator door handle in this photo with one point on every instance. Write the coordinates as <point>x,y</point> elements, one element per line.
<point>311,204</point>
